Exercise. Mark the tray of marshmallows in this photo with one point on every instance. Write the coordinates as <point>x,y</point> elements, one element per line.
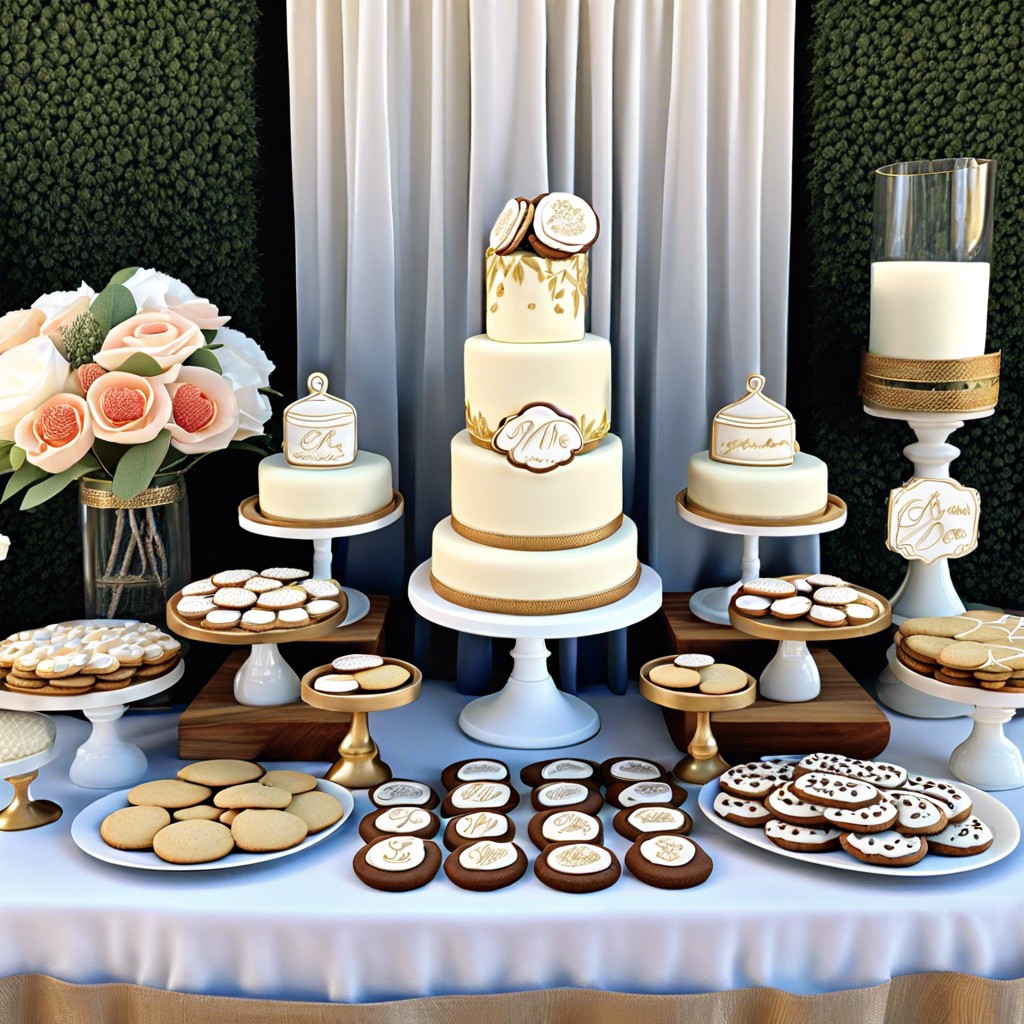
<point>245,606</point>
<point>809,602</point>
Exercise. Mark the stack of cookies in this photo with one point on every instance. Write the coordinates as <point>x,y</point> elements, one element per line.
<point>819,599</point>
<point>875,812</point>
<point>68,659</point>
<point>362,673</point>
<point>699,674</point>
<point>214,807</point>
<point>245,601</point>
<point>983,649</point>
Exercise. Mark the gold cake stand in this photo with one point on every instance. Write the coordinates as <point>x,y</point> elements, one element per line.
<point>703,762</point>
<point>23,811</point>
<point>360,765</point>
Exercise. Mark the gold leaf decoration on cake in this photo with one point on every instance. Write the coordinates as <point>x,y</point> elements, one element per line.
<point>594,430</point>
<point>559,275</point>
<point>476,424</point>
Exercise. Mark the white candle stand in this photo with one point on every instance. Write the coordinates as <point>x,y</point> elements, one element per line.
<point>712,603</point>
<point>530,712</point>
<point>926,590</point>
<point>986,759</point>
<point>106,760</point>
<point>321,534</point>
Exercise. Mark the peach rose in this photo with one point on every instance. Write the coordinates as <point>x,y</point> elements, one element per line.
<point>54,327</point>
<point>128,409</point>
<point>57,434</point>
<point>205,414</point>
<point>166,337</point>
<point>19,325</point>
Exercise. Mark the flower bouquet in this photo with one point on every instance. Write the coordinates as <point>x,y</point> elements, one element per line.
<point>124,389</point>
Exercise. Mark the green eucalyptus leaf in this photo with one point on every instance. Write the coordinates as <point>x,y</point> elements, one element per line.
<point>123,275</point>
<point>17,456</point>
<point>141,365</point>
<point>113,306</point>
<point>270,391</point>
<point>138,466</point>
<point>109,454</point>
<point>206,359</point>
<point>22,478</point>
<point>209,335</point>
<point>46,489</point>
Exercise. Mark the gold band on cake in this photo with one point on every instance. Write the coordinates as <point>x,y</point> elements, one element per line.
<point>556,543</point>
<point>753,520</point>
<point>930,385</point>
<point>556,606</point>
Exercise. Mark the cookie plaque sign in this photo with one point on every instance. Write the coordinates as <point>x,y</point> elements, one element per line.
<point>320,430</point>
<point>933,519</point>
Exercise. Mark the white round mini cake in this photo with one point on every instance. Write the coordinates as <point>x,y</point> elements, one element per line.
<point>310,495</point>
<point>755,493</point>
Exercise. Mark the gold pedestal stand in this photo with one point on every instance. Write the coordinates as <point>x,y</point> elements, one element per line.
<point>704,763</point>
<point>360,765</point>
<point>23,812</point>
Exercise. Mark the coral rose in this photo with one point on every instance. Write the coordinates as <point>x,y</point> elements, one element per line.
<point>29,374</point>
<point>18,326</point>
<point>205,412</point>
<point>166,337</point>
<point>57,434</point>
<point>128,409</point>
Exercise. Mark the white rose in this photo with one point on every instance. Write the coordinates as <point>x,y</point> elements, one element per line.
<point>29,374</point>
<point>5,546</point>
<point>153,290</point>
<point>248,369</point>
<point>54,302</point>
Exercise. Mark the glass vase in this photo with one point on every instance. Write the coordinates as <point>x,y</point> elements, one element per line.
<point>135,554</point>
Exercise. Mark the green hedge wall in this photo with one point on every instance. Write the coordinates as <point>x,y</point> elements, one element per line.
<point>912,80</point>
<point>128,136</point>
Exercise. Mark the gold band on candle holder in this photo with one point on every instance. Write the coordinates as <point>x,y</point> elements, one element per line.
<point>560,542</point>
<point>930,385</point>
<point>557,606</point>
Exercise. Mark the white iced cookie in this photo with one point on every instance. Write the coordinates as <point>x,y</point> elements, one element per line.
<point>564,223</point>
<point>399,854</point>
<point>336,682</point>
<point>694,661</point>
<point>356,662</point>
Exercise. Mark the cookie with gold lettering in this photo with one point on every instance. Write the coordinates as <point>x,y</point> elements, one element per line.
<point>630,769</point>
<point>668,862</point>
<point>397,863</point>
<point>398,792</point>
<point>577,867</point>
<point>564,826</point>
<point>568,769</point>
<point>477,769</point>
<point>398,821</point>
<point>477,825</point>
<point>632,794</point>
<point>651,819</point>
<point>563,795</point>
<point>467,797</point>
<point>485,865</point>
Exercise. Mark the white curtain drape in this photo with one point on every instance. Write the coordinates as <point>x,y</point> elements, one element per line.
<point>413,121</point>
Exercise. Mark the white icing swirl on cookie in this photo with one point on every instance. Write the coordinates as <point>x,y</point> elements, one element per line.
<point>403,792</point>
<point>559,828</point>
<point>635,770</point>
<point>492,770</point>
<point>487,856</point>
<point>564,768</point>
<point>481,825</point>
<point>664,819</point>
<point>399,820</point>
<point>480,794</point>
<point>398,854</point>
<point>579,859</point>
<point>670,851</point>
<point>645,793</point>
<point>561,794</point>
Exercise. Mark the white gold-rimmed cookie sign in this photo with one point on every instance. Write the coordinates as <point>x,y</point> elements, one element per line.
<point>933,519</point>
<point>320,429</point>
<point>540,438</point>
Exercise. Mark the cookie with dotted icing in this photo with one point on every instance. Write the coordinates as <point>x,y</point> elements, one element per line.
<point>802,838</point>
<point>917,813</point>
<point>956,803</point>
<point>469,828</point>
<point>962,839</point>
<point>572,769</point>
<point>834,790</point>
<point>835,596</point>
<point>562,826</point>
<point>633,794</point>
<point>789,807</point>
<point>891,849</point>
<point>877,817</point>
<point>577,867</point>
<point>397,863</point>
<point>499,797</point>
<point>821,579</point>
<point>769,587</point>
<point>564,795</point>
<point>476,769</point>
<point>232,577</point>
<point>741,810</point>
<point>399,821</point>
<point>668,862</point>
<point>357,662</point>
<point>755,778</point>
<point>878,773</point>
<point>694,660</point>
<point>485,865</point>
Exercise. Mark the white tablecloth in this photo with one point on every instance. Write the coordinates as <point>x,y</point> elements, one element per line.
<point>305,928</point>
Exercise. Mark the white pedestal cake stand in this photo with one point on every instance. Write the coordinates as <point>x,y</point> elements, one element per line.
<point>926,590</point>
<point>712,604</point>
<point>250,519</point>
<point>530,712</point>
<point>986,759</point>
<point>106,760</point>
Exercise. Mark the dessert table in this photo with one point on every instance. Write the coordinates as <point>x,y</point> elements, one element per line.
<point>764,936</point>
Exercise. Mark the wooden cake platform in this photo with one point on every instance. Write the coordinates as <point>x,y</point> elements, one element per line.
<point>214,725</point>
<point>844,718</point>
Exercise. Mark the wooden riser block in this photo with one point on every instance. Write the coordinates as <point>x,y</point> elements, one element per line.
<point>215,725</point>
<point>843,718</point>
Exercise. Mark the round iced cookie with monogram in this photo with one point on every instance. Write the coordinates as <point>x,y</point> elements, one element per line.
<point>570,769</point>
<point>577,867</point>
<point>566,794</point>
<point>655,791</point>
<point>399,821</point>
<point>397,863</point>
<point>668,862</point>
<point>485,865</point>
<point>563,826</point>
<point>479,796</point>
<point>474,770</point>
<point>646,820</point>
<point>469,828</point>
<point>563,225</point>
<point>398,792</point>
<point>630,769</point>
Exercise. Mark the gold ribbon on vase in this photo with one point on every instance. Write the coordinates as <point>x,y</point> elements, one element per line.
<point>99,494</point>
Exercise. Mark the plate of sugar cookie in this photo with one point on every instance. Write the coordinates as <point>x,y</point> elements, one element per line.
<point>859,815</point>
<point>214,814</point>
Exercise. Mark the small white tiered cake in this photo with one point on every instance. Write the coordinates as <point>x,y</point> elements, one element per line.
<point>754,470</point>
<point>322,476</point>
